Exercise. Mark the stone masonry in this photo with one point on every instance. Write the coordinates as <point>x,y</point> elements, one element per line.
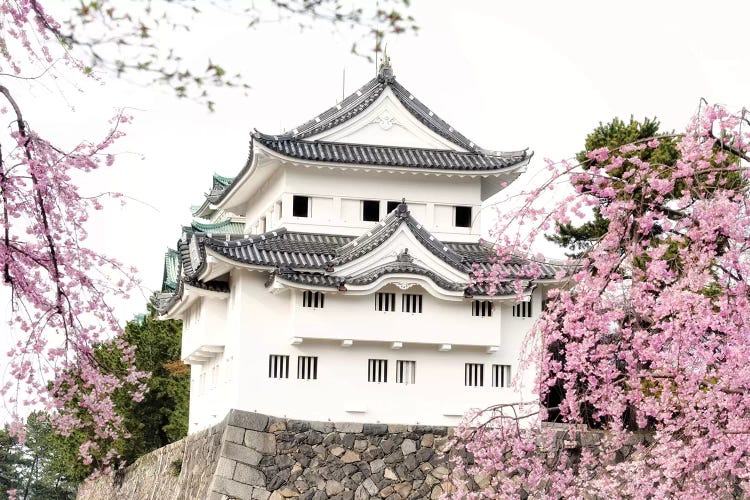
<point>253,456</point>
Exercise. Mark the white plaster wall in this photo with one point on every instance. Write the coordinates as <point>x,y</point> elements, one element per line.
<point>206,324</point>
<point>336,200</point>
<point>261,323</point>
<point>261,203</point>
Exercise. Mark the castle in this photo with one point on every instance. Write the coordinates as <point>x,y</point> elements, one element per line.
<point>330,279</point>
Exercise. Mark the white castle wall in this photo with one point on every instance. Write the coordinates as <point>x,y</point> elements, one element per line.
<point>260,323</point>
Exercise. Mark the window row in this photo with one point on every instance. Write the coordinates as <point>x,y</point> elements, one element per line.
<point>370,210</point>
<point>307,367</point>
<point>377,371</point>
<point>412,303</point>
<point>474,375</point>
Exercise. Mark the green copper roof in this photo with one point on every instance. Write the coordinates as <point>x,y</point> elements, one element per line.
<point>224,227</point>
<point>171,270</point>
<point>220,179</point>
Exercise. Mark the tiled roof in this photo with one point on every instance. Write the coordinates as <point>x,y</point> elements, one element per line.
<point>311,259</point>
<point>363,97</point>
<point>224,227</point>
<point>380,233</point>
<point>389,156</point>
<point>281,248</point>
<point>221,180</point>
<point>171,271</point>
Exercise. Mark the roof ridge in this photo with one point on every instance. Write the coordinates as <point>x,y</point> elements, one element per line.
<point>282,138</point>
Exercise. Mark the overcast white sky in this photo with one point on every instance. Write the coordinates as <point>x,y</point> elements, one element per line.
<point>509,75</point>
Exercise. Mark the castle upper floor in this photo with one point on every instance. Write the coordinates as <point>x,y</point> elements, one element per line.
<point>349,167</point>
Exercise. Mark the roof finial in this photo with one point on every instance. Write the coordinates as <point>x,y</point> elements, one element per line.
<point>386,71</point>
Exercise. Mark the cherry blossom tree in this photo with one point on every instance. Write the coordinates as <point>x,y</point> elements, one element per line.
<point>60,290</point>
<point>643,353</point>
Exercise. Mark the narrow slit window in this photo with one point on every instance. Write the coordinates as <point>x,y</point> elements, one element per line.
<point>411,303</point>
<point>474,375</point>
<point>392,205</point>
<point>522,310</point>
<point>385,302</point>
<point>315,300</point>
<point>301,206</point>
<point>307,367</point>
<point>278,366</point>
<point>500,375</point>
<point>462,216</point>
<point>405,371</point>
<point>377,370</point>
<point>370,210</point>
<point>482,308</point>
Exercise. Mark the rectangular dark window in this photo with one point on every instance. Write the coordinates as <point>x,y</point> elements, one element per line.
<point>307,367</point>
<point>370,210</point>
<point>405,372</point>
<point>482,308</point>
<point>377,370</point>
<point>392,205</point>
<point>385,301</point>
<point>278,366</point>
<point>463,216</point>
<point>411,303</point>
<point>316,300</point>
<point>522,310</point>
<point>301,206</point>
<point>474,375</point>
<point>500,375</point>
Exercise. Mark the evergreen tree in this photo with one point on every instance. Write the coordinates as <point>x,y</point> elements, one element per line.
<point>577,239</point>
<point>158,419</point>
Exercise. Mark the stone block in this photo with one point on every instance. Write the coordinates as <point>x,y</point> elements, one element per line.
<point>387,491</point>
<point>261,494</point>
<point>361,493</point>
<point>348,441</point>
<point>440,472</point>
<point>389,474</point>
<point>374,429</point>
<point>427,440</point>
<point>424,454</point>
<point>232,488</point>
<point>275,424</point>
<point>298,425</point>
<point>234,434</point>
<point>370,486</point>
<point>436,493</point>
<point>387,445</point>
<point>247,420</point>
<point>240,453</point>
<point>248,475</point>
<point>334,488</point>
<point>408,446</point>
<point>225,467</point>
<point>360,445</point>
<point>395,428</point>
<point>350,457</point>
<point>262,442</point>
<point>324,427</point>
<point>349,427</point>
<point>377,466</point>
<point>403,489</point>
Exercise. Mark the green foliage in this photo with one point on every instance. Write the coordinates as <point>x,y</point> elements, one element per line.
<point>577,239</point>
<point>160,418</point>
<point>33,469</point>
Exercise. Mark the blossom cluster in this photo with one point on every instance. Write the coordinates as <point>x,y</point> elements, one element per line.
<point>646,343</point>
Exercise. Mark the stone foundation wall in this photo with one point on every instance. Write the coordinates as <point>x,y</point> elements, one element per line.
<point>254,456</point>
